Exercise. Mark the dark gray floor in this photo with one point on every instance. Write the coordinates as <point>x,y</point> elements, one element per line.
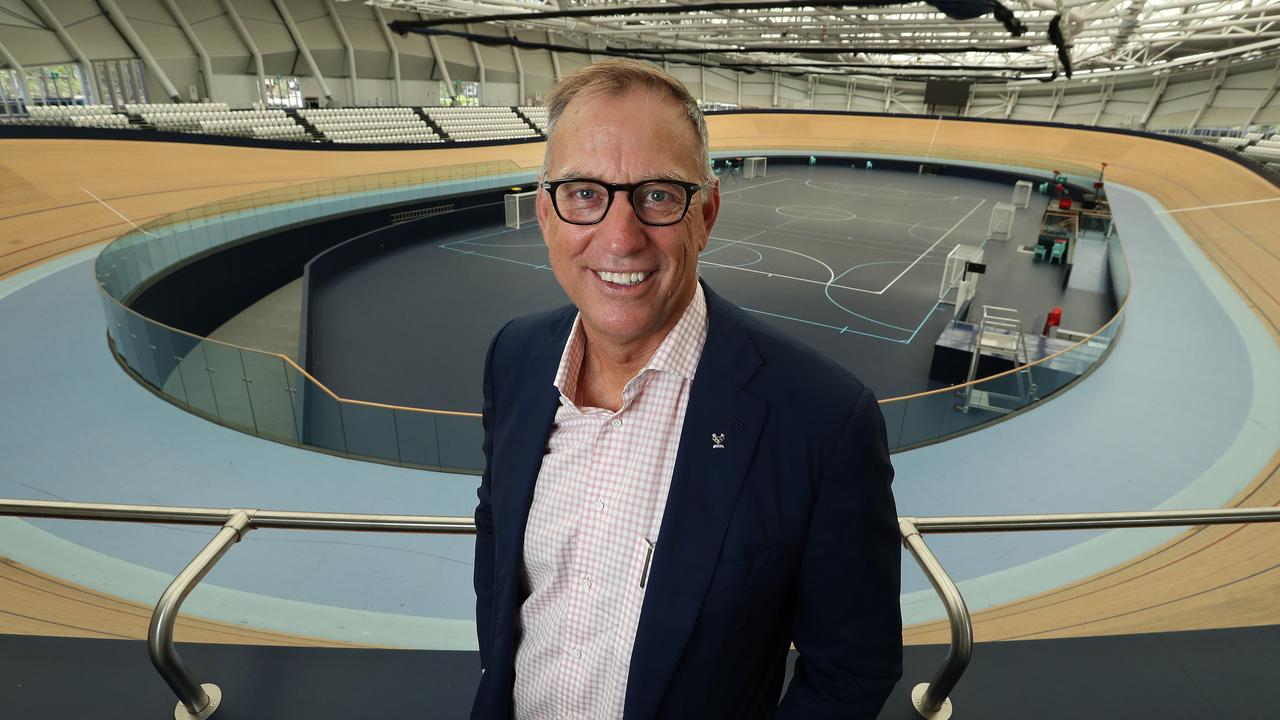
<point>847,260</point>
<point>1200,675</point>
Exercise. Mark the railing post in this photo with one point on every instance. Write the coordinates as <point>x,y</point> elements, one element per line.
<point>196,701</point>
<point>931,699</point>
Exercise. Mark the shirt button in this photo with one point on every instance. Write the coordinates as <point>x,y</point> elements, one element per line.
<point>617,422</point>
<point>598,505</point>
<point>586,581</point>
<point>576,654</point>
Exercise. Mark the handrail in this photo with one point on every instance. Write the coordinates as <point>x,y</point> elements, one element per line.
<point>931,700</point>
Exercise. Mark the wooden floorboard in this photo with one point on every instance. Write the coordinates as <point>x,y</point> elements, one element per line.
<point>1205,578</point>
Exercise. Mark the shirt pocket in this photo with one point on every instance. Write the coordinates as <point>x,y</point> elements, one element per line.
<point>632,598</point>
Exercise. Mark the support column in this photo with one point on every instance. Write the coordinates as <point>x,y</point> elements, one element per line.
<point>398,92</point>
<point>346,44</point>
<point>1058,92</point>
<point>515,55</point>
<point>888,95</point>
<point>90,87</point>
<point>122,26</point>
<point>555,58</point>
<point>206,67</point>
<point>1157,92</point>
<point>249,45</point>
<point>848,101</point>
<point>1010,100</point>
<point>775,90</point>
<point>1266,96</point>
<point>1104,96</point>
<point>739,75</point>
<point>484,75</point>
<point>441,64</point>
<point>302,48</point>
<point>1219,77</point>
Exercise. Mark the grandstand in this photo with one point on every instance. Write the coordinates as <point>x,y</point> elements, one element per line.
<point>196,170</point>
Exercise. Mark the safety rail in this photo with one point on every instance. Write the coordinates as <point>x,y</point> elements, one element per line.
<point>931,700</point>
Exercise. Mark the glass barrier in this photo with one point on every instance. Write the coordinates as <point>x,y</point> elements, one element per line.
<point>164,242</point>
<point>270,396</point>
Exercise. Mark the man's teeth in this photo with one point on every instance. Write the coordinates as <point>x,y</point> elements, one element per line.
<point>630,278</point>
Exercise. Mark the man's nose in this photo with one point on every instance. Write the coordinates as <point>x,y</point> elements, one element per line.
<point>620,229</point>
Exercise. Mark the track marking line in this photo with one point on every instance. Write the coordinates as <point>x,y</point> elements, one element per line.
<point>117,212</point>
<point>1219,205</point>
<point>934,245</point>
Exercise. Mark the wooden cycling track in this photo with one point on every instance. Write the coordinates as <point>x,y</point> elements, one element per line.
<point>1217,576</point>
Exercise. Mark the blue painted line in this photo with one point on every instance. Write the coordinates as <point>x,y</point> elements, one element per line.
<point>827,291</point>
<point>924,320</point>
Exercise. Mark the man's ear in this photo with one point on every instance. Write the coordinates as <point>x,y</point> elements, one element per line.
<point>544,209</point>
<point>710,209</point>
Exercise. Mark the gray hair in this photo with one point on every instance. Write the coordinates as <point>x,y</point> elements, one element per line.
<point>616,77</point>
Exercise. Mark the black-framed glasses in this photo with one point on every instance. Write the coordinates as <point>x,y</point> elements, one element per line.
<point>582,201</point>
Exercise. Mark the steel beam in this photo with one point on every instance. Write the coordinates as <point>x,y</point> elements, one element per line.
<point>122,25</point>
<point>397,91</point>
<point>249,45</point>
<point>515,55</point>
<point>302,48</point>
<point>206,67</point>
<point>1266,96</point>
<point>350,50</point>
<point>484,74</point>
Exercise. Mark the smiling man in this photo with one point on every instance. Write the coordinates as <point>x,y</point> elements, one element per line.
<point>674,492</point>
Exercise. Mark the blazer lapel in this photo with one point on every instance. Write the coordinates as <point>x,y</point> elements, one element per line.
<point>704,489</point>
<point>520,455</point>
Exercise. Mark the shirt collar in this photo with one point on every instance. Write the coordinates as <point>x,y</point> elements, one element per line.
<point>678,354</point>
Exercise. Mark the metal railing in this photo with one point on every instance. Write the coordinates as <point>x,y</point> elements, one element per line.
<point>931,700</point>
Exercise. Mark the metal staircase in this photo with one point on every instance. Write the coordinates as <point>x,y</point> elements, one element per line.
<point>999,334</point>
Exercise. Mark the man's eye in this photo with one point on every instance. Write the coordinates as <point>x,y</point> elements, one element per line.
<point>584,194</point>
<point>657,196</point>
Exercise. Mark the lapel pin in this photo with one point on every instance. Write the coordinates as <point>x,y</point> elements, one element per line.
<point>717,441</point>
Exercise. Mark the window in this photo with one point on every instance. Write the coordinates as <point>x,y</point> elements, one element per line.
<point>465,92</point>
<point>284,91</point>
<point>120,81</point>
<point>11,97</point>
<point>55,85</point>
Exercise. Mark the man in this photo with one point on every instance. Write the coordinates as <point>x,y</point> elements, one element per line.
<point>674,492</point>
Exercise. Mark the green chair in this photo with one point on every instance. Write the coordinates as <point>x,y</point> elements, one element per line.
<point>1039,254</point>
<point>1059,251</point>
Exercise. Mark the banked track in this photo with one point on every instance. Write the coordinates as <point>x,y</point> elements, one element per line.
<point>1204,578</point>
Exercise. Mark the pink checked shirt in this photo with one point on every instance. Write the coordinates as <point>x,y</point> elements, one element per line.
<point>596,511</point>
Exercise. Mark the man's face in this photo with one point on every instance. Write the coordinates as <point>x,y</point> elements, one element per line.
<point>641,135</point>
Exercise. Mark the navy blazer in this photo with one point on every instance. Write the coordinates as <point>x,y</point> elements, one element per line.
<point>788,533</point>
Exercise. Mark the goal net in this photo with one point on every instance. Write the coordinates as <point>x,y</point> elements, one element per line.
<point>1001,227</point>
<point>955,277</point>
<point>522,208</point>
<point>754,167</point>
<point>1022,193</point>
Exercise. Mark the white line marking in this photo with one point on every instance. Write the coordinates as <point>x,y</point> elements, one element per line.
<point>751,187</point>
<point>1219,205</point>
<point>929,153</point>
<point>117,212</point>
<point>934,245</point>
